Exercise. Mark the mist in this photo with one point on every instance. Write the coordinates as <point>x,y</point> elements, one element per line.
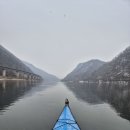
<point>57,35</point>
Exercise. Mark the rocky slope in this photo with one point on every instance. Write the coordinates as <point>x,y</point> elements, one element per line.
<point>117,69</point>
<point>7,59</point>
<point>84,70</point>
<point>46,76</point>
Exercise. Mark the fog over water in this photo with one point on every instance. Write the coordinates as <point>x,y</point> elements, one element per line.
<point>56,35</point>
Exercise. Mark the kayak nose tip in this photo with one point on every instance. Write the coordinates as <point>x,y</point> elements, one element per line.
<point>66,101</point>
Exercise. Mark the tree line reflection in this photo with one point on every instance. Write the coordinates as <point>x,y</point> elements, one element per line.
<point>11,91</point>
<point>117,94</point>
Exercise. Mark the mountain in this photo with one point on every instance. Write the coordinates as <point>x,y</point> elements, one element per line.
<point>84,70</point>
<point>7,59</point>
<point>117,69</point>
<point>46,76</point>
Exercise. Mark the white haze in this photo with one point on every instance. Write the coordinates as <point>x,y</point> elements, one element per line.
<point>56,35</point>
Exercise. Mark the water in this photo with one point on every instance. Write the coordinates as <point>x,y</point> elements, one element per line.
<point>32,106</point>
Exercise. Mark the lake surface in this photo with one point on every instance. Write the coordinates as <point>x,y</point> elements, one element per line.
<point>33,106</point>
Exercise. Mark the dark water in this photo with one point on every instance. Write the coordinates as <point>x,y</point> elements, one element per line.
<point>32,106</point>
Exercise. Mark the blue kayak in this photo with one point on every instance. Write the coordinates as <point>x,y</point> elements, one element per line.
<point>66,120</point>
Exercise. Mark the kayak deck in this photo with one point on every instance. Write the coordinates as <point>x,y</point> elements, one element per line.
<point>66,120</point>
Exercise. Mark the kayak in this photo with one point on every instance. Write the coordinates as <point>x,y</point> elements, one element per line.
<point>66,120</point>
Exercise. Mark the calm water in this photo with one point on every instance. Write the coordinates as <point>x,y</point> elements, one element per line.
<point>32,106</point>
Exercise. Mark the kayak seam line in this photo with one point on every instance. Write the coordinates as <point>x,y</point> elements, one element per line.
<point>68,124</point>
<point>59,126</point>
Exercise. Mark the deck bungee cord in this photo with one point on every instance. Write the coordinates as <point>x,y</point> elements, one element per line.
<point>66,120</point>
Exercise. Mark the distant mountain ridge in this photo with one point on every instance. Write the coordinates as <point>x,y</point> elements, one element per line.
<point>7,59</point>
<point>84,70</point>
<point>118,69</point>
<point>46,76</point>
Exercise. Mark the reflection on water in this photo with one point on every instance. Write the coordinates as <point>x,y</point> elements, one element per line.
<point>116,94</point>
<point>36,106</point>
<point>11,91</point>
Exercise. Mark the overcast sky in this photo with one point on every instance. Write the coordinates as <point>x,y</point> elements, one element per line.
<point>56,35</point>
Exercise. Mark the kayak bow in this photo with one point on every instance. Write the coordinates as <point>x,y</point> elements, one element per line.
<point>66,120</point>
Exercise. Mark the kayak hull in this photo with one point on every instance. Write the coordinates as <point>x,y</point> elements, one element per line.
<point>66,120</point>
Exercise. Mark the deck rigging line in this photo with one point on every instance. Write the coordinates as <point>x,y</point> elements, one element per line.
<point>66,120</point>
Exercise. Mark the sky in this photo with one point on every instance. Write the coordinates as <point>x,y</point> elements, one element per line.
<point>56,35</point>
